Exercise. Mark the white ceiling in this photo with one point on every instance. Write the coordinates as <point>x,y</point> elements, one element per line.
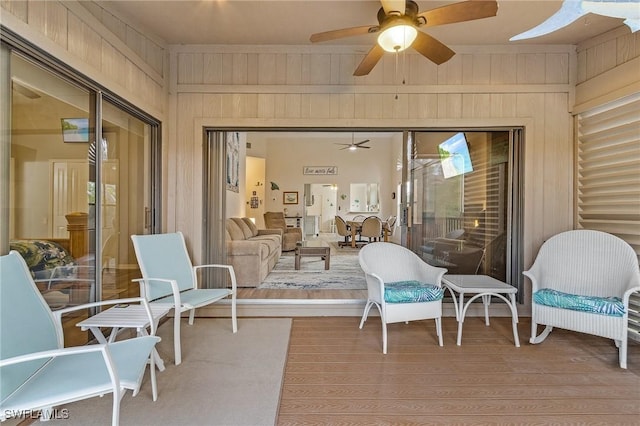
<point>291,22</point>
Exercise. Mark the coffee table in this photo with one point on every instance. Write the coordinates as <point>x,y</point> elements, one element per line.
<point>480,286</point>
<point>312,248</point>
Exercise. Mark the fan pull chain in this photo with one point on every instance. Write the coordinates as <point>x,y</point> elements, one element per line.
<point>395,73</point>
<point>404,66</point>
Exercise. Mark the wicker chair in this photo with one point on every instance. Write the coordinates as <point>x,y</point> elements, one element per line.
<point>574,279</point>
<point>401,286</point>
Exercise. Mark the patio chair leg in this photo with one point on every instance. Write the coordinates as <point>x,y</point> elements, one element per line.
<point>439,331</point>
<point>192,315</point>
<point>539,338</point>
<point>366,313</point>
<point>176,337</point>
<point>622,354</point>
<point>384,336</point>
<point>234,318</point>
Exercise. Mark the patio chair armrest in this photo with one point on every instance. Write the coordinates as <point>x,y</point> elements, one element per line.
<point>232,272</point>
<point>375,287</point>
<point>53,353</point>
<point>431,274</point>
<point>628,293</point>
<point>146,282</point>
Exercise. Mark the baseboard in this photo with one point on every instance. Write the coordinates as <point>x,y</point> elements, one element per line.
<point>323,308</point>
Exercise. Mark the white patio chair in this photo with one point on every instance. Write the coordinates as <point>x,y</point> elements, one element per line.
<point>575,278</point>
<point>402,286</point>
<point>37,372</point>
<point>169,277</point>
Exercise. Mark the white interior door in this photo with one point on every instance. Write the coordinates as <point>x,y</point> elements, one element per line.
<point>69,180</point>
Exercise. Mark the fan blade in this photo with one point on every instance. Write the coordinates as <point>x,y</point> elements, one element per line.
<point>460,12</point>
<point>345,32</point>
<point>362,146</point>
<point>347,144</point>
<point>361,142</point>
<point>568,13</point>
<point>369,61</point>
<point>432,49</point>
<point>394,6</point>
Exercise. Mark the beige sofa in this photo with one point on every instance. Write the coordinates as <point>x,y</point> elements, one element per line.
<point>253,252</point>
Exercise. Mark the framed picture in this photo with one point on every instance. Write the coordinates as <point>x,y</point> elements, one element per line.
<point>290,197</point>
<point>75,130</point>
<point>233,161</point>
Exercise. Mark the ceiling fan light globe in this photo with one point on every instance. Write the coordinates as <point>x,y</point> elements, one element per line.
<point>353,148</point>
<point>397,38</point>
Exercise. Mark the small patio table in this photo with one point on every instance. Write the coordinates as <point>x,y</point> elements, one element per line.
<point>127,316</point>
<point>481,286</point>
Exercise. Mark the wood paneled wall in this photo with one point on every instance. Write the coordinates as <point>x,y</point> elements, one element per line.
<point>296,86</point>
<point>133,69</point>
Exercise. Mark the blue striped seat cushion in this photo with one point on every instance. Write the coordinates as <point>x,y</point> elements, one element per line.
<point>411,292</point>
<point>598,305</point>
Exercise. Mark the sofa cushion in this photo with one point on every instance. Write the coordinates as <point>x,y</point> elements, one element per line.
<point>411,292</point>
<point>252,226</point>
<point>243,226</point>
<point>234,230</point>
<point>611,306</point>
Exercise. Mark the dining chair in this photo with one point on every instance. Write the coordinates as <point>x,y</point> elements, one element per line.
<point>371,228</point>
<point>390,225</point>
<point>343,230</point>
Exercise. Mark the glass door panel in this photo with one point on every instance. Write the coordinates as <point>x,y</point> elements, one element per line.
<point>459,197</point>
<point>125,200</point>
<point>49,207</point>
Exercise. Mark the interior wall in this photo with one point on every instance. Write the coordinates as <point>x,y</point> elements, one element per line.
<point>287,155</point>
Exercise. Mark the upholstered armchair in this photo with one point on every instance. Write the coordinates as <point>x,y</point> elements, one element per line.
<point>290,236</point>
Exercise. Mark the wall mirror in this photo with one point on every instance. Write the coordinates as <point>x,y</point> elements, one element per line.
<point>364,198</point>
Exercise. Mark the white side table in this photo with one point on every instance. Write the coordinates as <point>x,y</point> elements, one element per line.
<point>127,316</point>
<point>480,286</point>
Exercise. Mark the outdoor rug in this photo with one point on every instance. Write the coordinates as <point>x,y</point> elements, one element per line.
<point>224,378</point>
<point>344,274</point>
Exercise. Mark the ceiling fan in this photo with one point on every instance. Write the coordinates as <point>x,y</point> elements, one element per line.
<point>354,145</point>
<point>571,10</point>
<point>398,23</point>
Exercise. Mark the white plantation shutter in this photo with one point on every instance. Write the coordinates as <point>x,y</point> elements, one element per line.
<point>608,177</point>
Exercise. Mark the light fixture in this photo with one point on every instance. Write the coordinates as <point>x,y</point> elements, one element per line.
<point>397,36</point>
<point>353,148</point>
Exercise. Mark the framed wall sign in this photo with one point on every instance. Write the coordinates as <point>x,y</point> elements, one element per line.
<point>290,197</point>
<point>319,170</point>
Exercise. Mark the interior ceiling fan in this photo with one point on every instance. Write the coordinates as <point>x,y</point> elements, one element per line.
<point>354,145</point>
<point>398,24</point>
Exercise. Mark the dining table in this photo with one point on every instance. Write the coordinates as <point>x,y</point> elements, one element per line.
<point>356,225</point>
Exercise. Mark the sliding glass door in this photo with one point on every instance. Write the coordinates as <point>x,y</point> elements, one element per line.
<point>74,198</point>
<point>460,199</point>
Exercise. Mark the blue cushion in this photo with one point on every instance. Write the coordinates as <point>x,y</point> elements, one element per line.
<point>611,306</point>
<point>411,292</point>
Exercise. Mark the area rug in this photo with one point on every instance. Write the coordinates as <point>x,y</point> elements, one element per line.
<point>344,274</point>
<point>224,378</point>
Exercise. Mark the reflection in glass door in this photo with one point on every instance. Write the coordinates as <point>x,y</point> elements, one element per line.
<point>459,194</point>
<point>125,197</point>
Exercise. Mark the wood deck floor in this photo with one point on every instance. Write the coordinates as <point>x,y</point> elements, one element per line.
<point>336,374</point>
